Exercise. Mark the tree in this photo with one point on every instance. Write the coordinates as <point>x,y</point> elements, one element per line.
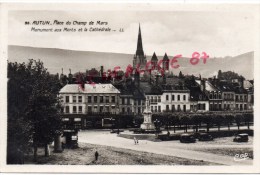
<point>218,119</point>
<point>238,119</point>
<point>219,74</point>
<point>185,120</point>
<point>33,108</point>
<point>174,121</point>
<point>248,118</point>
<point>207,118</point>
<point>181,75</point>
<point>229,119</point>
<point>196,120</point>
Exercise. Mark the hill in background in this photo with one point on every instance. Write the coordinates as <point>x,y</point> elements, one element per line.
<point>55,59</point>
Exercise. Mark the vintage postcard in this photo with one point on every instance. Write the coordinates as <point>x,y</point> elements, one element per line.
<point>129,87</point>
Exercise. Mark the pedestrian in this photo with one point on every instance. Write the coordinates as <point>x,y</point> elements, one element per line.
<point>96,155</point>
<point>135,140</point>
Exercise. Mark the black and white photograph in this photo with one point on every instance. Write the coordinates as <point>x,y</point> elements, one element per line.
<point>147,86</point>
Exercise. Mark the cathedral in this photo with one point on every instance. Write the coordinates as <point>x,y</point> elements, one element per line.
<point>140,61</point>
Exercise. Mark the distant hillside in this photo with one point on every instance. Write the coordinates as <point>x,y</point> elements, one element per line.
<point>55,59</point>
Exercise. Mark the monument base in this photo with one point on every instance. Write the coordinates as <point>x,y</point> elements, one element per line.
<point>147,126</point>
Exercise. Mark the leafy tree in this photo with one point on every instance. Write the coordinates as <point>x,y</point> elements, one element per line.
<point>248,118</point>
<point>174,121</point>
<point>181,75</point>
<point>33,108</point>
<point>238,119</point>
<point>218,120</point>
<point>196,120</point>
<point>185,120</point>
<point>207,118</point>
<point>229,119</point>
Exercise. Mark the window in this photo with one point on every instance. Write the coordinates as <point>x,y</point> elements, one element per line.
<point>74,99</point>
<point>245,107</point>
<point>159,99</point>
<point>95,99</point>
<point>173,108</point>
<point>159,108</point>
<point>74,109</point>
<point>152,108</point>
<point>101,99</point>
<point>167,108</point>
<point>139,102</point>
<point>89,109</point>
<point>173,96</point>
<point>139,110</point>
<point>179,97</point>
<point>179,108</point>
<point>107,99</point>
<point>167,97</point>
<point>203,106</point>
<point>89,99</point>
<point>151,99</point>
<point>128,110</point>
<point>95,109</point>
<point>123,101</point>
<point>155,108</point>
<point>67,99</point>
<point>184,108</point>
<point>113,99</point>
<point>80,99</point>
<point>80,109</point>
<point>184,97</point>
<point>67,109</point>
<point>101,108</point>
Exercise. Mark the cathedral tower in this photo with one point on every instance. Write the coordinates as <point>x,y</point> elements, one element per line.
<point>139,57</point>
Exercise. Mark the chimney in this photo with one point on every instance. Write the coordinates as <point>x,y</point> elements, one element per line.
<point>203,85</point>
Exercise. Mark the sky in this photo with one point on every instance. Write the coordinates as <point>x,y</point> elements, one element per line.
<point>217,33</point>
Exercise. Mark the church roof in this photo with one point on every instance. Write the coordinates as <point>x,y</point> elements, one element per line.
<point>139,50</point>
<point>165,57</point>
<point>154,57</point>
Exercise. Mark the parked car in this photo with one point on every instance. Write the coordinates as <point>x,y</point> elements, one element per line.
<point>187,138</point>
<point>116,130</point>
<point>205,137</point>
<point>241,138</point>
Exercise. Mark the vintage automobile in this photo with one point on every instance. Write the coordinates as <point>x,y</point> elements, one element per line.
<point>205,137</point>
<point>241,138</point>
<point>116,130</point>
<point>187,138</point>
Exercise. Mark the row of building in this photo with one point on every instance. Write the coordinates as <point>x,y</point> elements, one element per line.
<point>166,93</point>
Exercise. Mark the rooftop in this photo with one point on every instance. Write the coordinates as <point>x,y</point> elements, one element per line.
<point>90,88</point>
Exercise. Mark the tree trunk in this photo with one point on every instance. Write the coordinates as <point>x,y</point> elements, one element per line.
<point>218,127</point>
<point>238,126</point>
<point>207,127</point>
<point>57,144</point>
<point>174,128</point>
<point>35,148</point>
<point>229,126</point>
<point>248,126</point>
<point>47,150</point>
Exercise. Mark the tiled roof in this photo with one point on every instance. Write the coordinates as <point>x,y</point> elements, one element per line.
<point>89,88</point>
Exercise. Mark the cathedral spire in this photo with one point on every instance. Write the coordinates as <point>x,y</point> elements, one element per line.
<point>139,50</point>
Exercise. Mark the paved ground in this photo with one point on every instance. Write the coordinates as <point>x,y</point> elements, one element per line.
<point>172,148</point>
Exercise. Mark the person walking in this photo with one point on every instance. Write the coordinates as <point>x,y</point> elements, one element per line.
<point>96,155</point>
<point>135,140</point>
